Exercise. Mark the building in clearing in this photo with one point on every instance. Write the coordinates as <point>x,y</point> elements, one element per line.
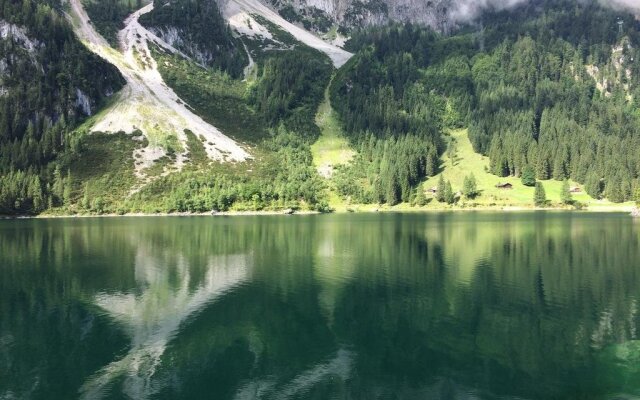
<point>506,186</point>
<point>575,189</point>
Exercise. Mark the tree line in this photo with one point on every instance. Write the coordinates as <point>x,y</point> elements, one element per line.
<point>202,33</point>
<point>50,83</point>
<point>550,87</point>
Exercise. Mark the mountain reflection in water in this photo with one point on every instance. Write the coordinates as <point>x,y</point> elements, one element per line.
<point>444,306</point>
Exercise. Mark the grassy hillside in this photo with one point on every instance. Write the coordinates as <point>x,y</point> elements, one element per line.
<point>462,160</point>
<point>332,147</point>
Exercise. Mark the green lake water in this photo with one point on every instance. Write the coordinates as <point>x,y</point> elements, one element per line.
<point>371,306</point>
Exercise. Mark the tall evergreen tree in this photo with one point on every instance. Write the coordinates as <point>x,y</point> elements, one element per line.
<point>440,190</point>
<point>449,196</point>
<point>420,199</point>
<point>565,193</point>
<point>528,177</point>
<point>614,191</point>
<point>593,185</point>
<point>470,187</point>
<point>539,195</point>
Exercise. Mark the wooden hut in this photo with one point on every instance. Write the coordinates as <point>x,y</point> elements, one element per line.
<point>505,186</point>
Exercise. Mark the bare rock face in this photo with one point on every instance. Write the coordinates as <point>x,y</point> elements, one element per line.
<point>361,13</point>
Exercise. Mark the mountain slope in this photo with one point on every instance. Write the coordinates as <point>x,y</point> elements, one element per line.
<point>238,12</point>
<point>147,104</point>
<point>549,91</point>
<point>524,87</point>
<point>49,83</point>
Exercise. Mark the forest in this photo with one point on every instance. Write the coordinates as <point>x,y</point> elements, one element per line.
<point>552,86</point>
<point>202,33</point>
<point>49,83</point>
<point>548,91</point>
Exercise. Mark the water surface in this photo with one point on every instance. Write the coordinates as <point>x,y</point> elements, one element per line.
<point>393,306</point>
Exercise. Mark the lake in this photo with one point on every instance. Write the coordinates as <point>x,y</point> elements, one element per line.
<point>363,306</point>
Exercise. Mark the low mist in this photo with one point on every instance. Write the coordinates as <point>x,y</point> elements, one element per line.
<point>467,10</point>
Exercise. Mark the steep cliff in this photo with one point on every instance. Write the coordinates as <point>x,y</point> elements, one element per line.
<point>319,15</point>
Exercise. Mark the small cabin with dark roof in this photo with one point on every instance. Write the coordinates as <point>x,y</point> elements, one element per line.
<point>505,185</point>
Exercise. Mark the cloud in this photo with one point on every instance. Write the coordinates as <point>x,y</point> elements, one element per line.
<point>630,4</point>
<point>466,10</point>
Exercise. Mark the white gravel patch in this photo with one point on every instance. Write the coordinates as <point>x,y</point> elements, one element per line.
<point>246,25</point>
<point>147,103</point>
<point>236,11</point>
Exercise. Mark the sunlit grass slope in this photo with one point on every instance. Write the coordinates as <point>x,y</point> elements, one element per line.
<point>463,160</point>
<point>332,147</point>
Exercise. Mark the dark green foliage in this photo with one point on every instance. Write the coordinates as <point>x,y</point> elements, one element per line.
<point>284,177</point>
<point>565,193</point>
<point>614,190</point>
<point>311,18</point>
<point>290,88</point>
<point>46,82</point>
<point>203,34</point>
<point>537,108</point>
<point>593,185</point>
<point>449,195</point>
<point>353,15</point>
<point>521,85</point>
<point>440,190</point>
<point>420,199</point>
<point>528,176</point>
<point>21,193</point>
<point>386,170</point>
<point>378,95</point>
<point>197,154</point>
<point>470,187</point>
<point>584,23</point>
<point>378,92</point>
<point>108,16</point>
<point>101,165</point>
<point>216,97</point>
<point>539,195</point>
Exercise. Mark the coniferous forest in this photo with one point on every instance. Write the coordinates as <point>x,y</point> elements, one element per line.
<point>548,91</point>
<point>49,83</point>
<point>552,87</point>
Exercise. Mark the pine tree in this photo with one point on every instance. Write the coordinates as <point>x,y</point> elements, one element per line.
<point>528,177</point>
<point>86,200</point>
<point>565,193</point>
<point>440,190</point>
<point>559,172</point>
<point>449,196</point>
<point>614,190</point>
<point>543,169</point>
<point>593,185</point>
<point>539,195</point>
<point>58,185</point>
<point>420,199</point>
<point>391,194</point>
<point>469,187</point>
<point>35,192</point>
<point>68,187</point>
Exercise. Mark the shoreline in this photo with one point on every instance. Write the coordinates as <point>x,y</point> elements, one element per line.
<point>359,209</point>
